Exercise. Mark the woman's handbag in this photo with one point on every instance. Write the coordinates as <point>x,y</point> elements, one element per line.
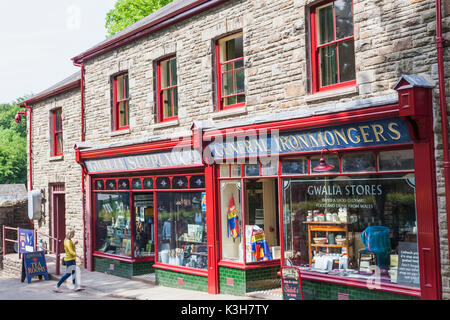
<point>63,263</point>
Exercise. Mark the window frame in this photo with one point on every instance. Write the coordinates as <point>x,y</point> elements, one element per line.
<point>116,111</point>
<point>160,90</point>
<point>219,64</point>
<point>315,50</point>
<point>57,133</point>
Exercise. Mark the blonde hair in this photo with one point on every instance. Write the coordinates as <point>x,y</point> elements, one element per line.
<point>70,234</point>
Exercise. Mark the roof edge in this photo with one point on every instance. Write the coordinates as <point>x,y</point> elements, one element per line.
<point>54,92</point>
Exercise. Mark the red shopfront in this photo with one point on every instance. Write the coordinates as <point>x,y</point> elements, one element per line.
<point>147,211</point>
<point>347,198</point>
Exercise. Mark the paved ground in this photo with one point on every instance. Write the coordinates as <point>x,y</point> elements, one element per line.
<point>99,286</point>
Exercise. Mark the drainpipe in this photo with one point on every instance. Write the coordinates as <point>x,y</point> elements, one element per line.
<point>443,106</point>
<point>83,187</point>
<point>30,156</point>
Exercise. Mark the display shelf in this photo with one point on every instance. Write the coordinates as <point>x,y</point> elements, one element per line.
<point>327,226</point>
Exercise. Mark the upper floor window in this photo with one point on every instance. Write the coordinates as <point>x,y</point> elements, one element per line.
<point>230,71</point>
<point>121,112</point>
<point>167,89</point>
<point>333,56</point>
<point>57,134</point>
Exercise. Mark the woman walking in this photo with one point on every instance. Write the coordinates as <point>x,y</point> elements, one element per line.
<point>70,260</point>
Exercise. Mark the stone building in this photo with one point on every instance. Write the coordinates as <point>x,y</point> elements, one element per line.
<point>353,82</point>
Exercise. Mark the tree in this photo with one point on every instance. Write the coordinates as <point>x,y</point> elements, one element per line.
<point>127,12</point>
<point>13,145</point>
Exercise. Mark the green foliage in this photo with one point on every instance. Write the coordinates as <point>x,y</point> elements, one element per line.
<point>13,142</point>
<point>128,12</point>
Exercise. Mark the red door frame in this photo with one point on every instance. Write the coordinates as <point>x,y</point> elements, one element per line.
<point>419,120</point>
<point>57,196</point>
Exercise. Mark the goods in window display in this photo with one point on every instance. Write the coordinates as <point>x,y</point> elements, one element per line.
<point>233,220</point>
<point>256,248</point>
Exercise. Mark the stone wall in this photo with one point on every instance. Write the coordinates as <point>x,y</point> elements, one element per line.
<point>48,170</point>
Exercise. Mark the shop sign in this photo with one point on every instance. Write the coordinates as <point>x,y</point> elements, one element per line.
<point>26,240</point>
<point>33,265</point>
<point>367,134</point>
<point>174,158</point>
<point>291,283</point>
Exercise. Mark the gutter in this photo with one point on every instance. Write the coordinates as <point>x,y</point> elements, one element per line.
<point>153,26</point>
<point>443,108</point>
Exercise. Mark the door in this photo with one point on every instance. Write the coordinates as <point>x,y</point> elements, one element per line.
<point>58,202</point>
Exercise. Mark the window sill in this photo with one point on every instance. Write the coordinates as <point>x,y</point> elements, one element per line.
<point>332,94</point>
<point>56,158</point>
<point>120,132</point>
<point>166,124</point>
<point>230,112</point>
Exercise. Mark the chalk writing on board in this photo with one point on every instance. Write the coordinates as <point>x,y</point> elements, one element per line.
<point>408,264</point>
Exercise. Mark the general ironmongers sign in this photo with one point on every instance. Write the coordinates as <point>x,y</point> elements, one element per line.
<point>375,133</point>
<point>174,158</point>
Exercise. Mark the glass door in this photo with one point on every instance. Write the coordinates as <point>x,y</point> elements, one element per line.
<point>144,245</point>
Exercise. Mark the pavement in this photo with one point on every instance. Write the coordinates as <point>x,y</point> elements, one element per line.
<point>102,286</point>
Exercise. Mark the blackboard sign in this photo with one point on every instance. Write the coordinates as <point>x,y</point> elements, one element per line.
<point>291,283</point>
<point>408,264</point>
<point>34,265</point>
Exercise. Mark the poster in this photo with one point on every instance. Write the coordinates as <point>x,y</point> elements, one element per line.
<point>408,264</point>
<point>26,240</point>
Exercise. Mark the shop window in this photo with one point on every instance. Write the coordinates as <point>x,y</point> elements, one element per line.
<point>182,230</point>
<point>168,89</point>
<point>180,183</point>
<point>124,184</point>
<point>230,71</point>
<point>231,222</point>
<point>396,160</point>
<point>99,185</point>
<point>137,184</point>
<point>57,133</point>
<point>358,162</point>
<point>235,170</point>
<point>112,223</point>
<point>294,166</point>
<point>121,112</point>
<point>269,169</point>
<point>163,183</point>
<point>148,183</point>
<point>333,51</point>
<point>111,184</point>
<point>332,160</point>
<point>353,227</point>
<point>224,171</point>
<point>144,230</point>
<point>197,182</point>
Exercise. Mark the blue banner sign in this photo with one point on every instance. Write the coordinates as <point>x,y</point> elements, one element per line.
<point>367,134</point>
<point>175,158</point>
<point>26,240</point>
<point>33,265</point>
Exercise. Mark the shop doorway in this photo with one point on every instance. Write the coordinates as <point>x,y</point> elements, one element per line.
<point>144,241</point>
<point>261,213</point>
<point>58,205</point>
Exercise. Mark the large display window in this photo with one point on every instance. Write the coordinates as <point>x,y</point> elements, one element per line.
<point>358,221</point>
<point>249,216</point>
<point>132,212</point>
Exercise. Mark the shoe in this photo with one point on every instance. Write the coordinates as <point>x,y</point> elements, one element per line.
<point>57,289</point>
<point>78,289</point>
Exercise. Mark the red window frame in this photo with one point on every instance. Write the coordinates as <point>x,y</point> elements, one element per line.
<point>315,51</point>
<point>233,70</point>
<point>170,88</point>
<point>117,102</point>
<point>57,133</point>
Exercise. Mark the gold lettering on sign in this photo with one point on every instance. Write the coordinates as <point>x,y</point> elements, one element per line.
<point>327,135</point>
<point>302,139</point>
<point>340,134</point>
<point>365,134</point>
<point>378,131</point>
<point>396,133</point>
<point>350,135</point>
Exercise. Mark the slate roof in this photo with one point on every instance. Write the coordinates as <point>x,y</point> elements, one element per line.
<point>13,192</point>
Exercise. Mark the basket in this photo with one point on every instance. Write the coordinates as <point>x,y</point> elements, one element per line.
<point>341,241</point>
<point>320,240</point>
